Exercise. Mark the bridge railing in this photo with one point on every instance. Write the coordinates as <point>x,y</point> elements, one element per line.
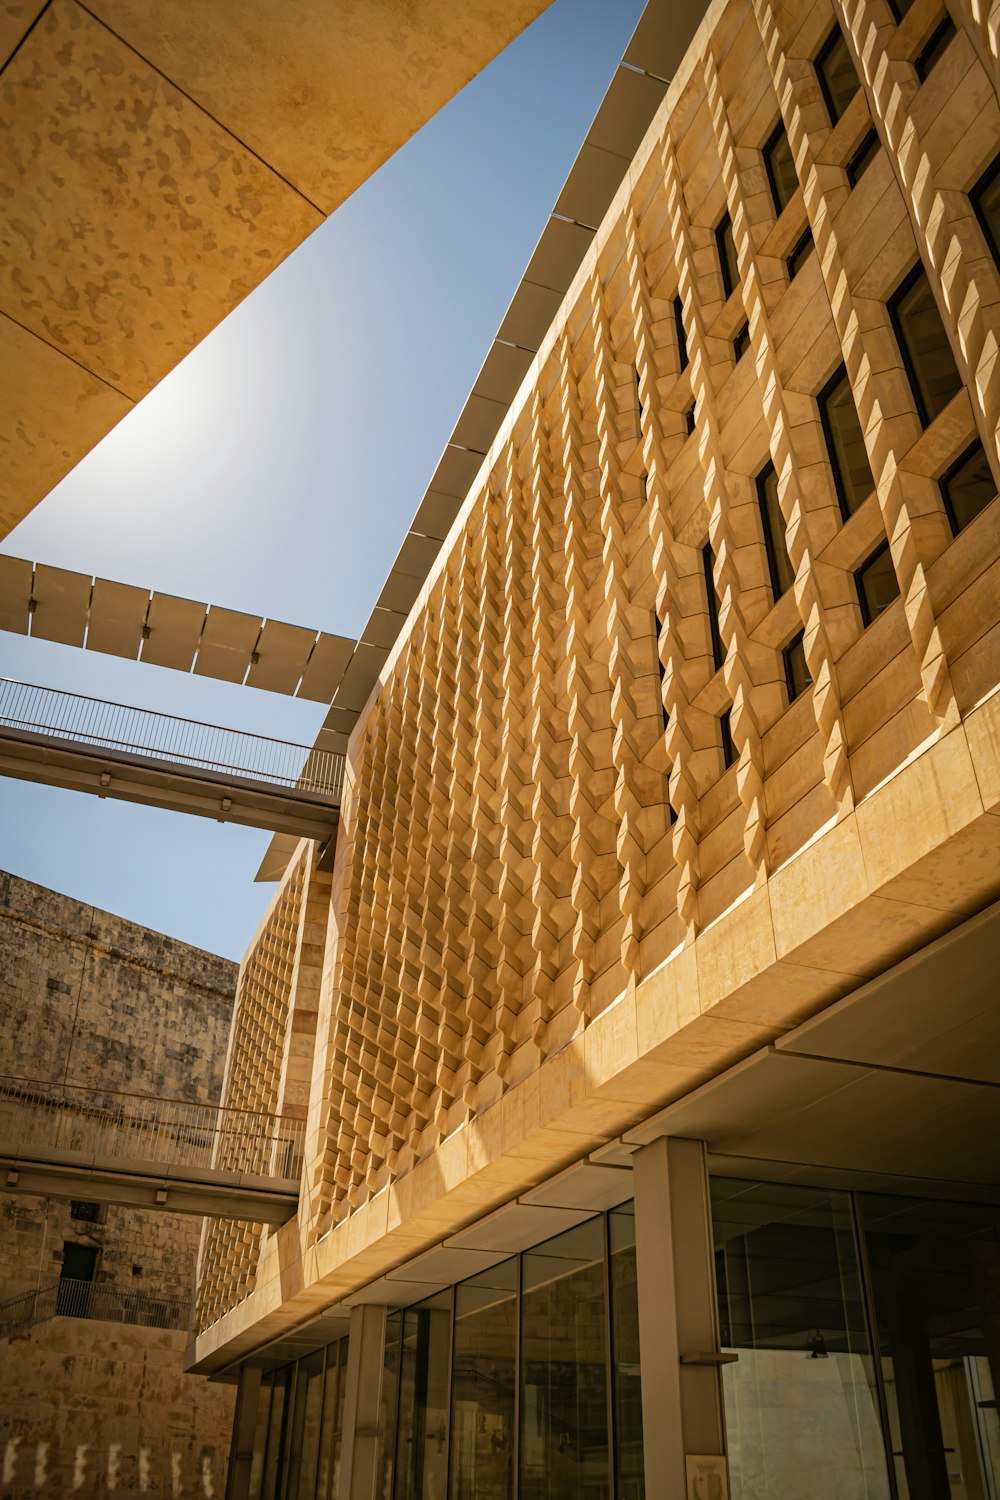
<point>66,1298</point>
<point>40,1119</point>
<point>121,729</point>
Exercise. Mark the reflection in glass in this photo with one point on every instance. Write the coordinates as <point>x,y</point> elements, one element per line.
<point>332,1424</point>
<point>968,487</point>
<point>627,1386</point>
<point>390,1407</point>
<point>277,1435</point>
<point>802,1415</point>
<point>845,443</point>
<point>935,1270</point>
<point>564,1394</point>
<point>300,1477</point>
<point>260,1434</point>
<point>927,355</point>
<point>422,1439</point>
<point>483,1385</point>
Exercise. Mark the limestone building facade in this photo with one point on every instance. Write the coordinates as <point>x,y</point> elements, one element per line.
<point>652,1103</point>
<point>94,1297</point>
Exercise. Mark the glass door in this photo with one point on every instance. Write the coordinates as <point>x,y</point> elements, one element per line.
<point>935,1280</point>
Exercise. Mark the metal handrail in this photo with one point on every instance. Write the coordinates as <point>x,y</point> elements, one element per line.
<point>68,1298</point>
<point>106,725</point>
<point>38,1116</point>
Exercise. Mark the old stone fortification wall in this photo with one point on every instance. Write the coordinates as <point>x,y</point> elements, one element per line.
<point>88,998</point>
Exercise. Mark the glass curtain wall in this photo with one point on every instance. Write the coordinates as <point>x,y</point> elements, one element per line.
<point>297,1427</point>
<point>868,1332</point>
<point>522,1381</point>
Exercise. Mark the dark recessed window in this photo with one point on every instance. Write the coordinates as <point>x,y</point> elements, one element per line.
<point>689,419</point>
<point>968,487</point>
<point>835,70</point>
<point>85,1213</point>
<point>661,669</point>
<point>933,48</point>
<point>863,157</point>
<point>900,8</point>
<point>876,583</point>
<point>638,398</point>
<point>682,348</point>
<point>726,246</point>
<point>136,1270</point>
<point>845,443</point>
<point>923,343</point>
<point>726,738</point>
<point>772,524</point>
<point>712,598</point>
<point>780,167</point>
<point>741,343</point>
<point>986,202</point>
<point>801,250</point>
<point>797,674</point>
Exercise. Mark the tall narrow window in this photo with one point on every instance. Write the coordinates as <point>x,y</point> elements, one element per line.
<point>625,1381</point>
<point>876,583</point>
<point>726,246</point>
<point>845,443</point>
<point>968,487</point>
<point>797,674</point>
<point>801,251</point>
<point>900,8</point>
<point>682,348</point>
<point>923,343</point>
<point>772,524</point>
<point>741,343</point>
<point>838,80</point>
<point>863,157</point>
<point>689,419</point>
<point>726,738</point>
<point>712,597</point>
<point>986,202</point>
<point>661,669</point>
<point>483,1384</point>
<point>780,168</point>
<point>422,1441</point>
<point>934,48</point>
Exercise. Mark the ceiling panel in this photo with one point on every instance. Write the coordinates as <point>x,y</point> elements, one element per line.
<point>417,555</point>
<point>519,1226</point>
<point>528,319</point>
<point>359,679</point>
<point>15,593</point>
<point>503,371</point>
<point>62,600</point>
<point>174,631</point>
<point>584,1186</point>
<point>558,254</point>
<point>626,112</point>
<point>595,178</point>
<point>399,592</point>
<point>479,423</point>
<point>456,471</point>
<point>446,1264</point>
<point>383,628</point>
<point>226,643</point>
<point>325,668</point>
<point>435,515</point>
<point>282,652</point>
<point>117,615</point>
<point>663,35</point>
<point>395,1293</point>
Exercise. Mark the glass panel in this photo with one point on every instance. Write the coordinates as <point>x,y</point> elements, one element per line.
<point>934,48</point>
<point>968,487</point>
<point>837,78</point>
<point>780,168</point>
<point>260,1437</point>
<point>564,1395</point>
<point>484,1365</point>
<point>333,1403</point>
<point>338,1417</point>
<point>300,1467</point>
<point>390,1407</point>
<point>877,584</point>
<point>797,674</point>
<point>802,1414</point>
<point>924,346</point>
<point>422,1460</point>
<point>276,1435</point>
<point>726,246</point>
<point>935,1270</point>
<point>986,202</point>
<point>625,1356</point>
<point>773,526</point>
<point>845,443</point>
<point>863,158</point>
<point>682,348</point>
<point>712,600</point>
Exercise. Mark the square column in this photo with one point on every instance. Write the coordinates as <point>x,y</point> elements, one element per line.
<point>682,1409</point>
<point>363,1404</point>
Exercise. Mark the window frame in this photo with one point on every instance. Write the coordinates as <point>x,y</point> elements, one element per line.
<point>799,253</point>
<point>907,284</point>
<point>712,601</point>
<point>770,546</point>
<point>798,639</point>
<point>729,756</point>
<point>838,479</point>
<point>935,46</point>
<point>741,340</point>
<point>984,181</point>
<point>867,617</point>
<point>819,61</point>
<point>868,149</point>
<point>682,348</point>
<point>949,474</point>
<point>728,284</point>
<point>767,151</point>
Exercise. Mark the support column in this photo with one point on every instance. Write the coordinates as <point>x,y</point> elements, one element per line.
<point>363,1404</point>
<point>682,1410</point>
<point>244,1428</point>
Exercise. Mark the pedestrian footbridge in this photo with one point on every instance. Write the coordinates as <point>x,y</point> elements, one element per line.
<point>69,1141</point>
<point>113,750</point>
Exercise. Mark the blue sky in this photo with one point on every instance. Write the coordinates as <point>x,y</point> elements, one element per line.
<point>278,467</point>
